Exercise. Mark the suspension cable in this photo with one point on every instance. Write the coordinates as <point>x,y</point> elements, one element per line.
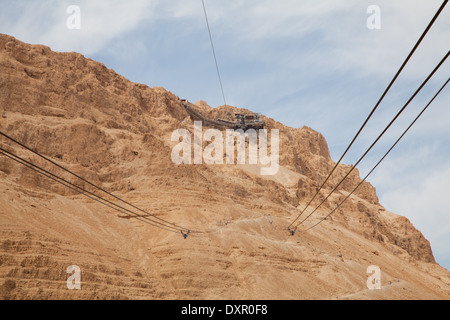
<point>385,155</point>
<point>376,106</point>
<point>381,134</point>
<point>214,52</point>
<point>88,182</point>
<point>76,188</point>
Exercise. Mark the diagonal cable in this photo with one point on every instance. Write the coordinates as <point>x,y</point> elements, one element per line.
<point>214,52</point>
<point>88,182</point>
<point>376,106</point>
<point>76,188</point>
<point>385,155</point>
<point>381,134</point>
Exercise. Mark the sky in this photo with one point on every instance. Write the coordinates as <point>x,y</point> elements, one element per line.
<point>314,63</point>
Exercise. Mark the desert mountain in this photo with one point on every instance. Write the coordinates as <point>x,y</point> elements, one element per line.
<point>117,134</point>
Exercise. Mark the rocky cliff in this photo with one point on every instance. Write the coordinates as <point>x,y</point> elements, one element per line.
<point>117,134</point>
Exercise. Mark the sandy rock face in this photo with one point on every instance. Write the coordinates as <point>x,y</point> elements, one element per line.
<point>117,134</point>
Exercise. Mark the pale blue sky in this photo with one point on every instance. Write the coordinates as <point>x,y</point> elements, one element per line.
<point>311,63</point>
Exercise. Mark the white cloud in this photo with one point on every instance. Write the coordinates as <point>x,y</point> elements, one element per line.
<point>338,32</point>
<point>44,22</point>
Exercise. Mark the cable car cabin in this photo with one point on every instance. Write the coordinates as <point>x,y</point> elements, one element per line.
<point>249,121</point>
